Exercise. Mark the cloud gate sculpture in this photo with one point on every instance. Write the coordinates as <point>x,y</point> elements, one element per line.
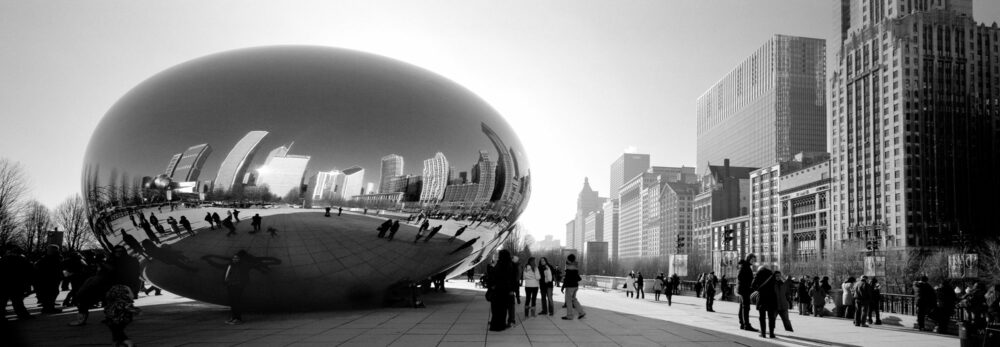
<point>343,175</point>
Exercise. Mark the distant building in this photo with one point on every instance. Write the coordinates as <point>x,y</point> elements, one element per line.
<point>610,209</point>
<point>725,192</point>
<point>676,206</point>
<point>235,164</point>
<point>461,195</point>
<point>172,164</point>
<point>639,220</point>
<point>805,213</point>
<point>321,185</point>
<point>506,168</point>
<point>596,258</point>
<point>392,166</point>
<point>570,231</point>
<point>593,226</point>
<point>484,173</point>
<point>548,243</point>
<point>586,202</point>
<point>435,178</point>
<point>625,168</point>
<point>770,106</point>
<point>282,173</point>
<point>189,167</point>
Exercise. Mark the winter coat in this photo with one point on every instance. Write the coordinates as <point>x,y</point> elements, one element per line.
<point>530,277</point>
<point>658,284</point>
<point>572,277</point>
<point>545,276</point>
<point>763,283</point>
<point>744,279</point>
<point>848,295</point>
<point>237,274</point>
<point>925,295</point>
<point>863,293</point>
<point>16,271</point>
<point>803,293</point>
<point>818,295</point>
<point>781,289</point>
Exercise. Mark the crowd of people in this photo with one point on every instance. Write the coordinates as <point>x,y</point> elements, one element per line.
<point>504,277</point>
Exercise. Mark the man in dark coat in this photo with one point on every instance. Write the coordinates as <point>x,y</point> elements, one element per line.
<point>433,232</point>
<point>863,293</point>
<point>48,275</point>
<point>187,225</point>
<point>926,300</point>
<point>767,299</point>
<point>710,283</point>
<point>255,222</point>
<point>382,229</point>
<point>743,289</point>
<point>16,272</point>
<point>217,219</point>
<point>945,306</point>
<point>393,229</point>
<point>210,220</point>
<point>228,223</point>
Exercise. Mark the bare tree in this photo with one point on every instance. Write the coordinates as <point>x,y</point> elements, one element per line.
<point>71,215</point>
<point>13,187</point>
<point>36,223</point>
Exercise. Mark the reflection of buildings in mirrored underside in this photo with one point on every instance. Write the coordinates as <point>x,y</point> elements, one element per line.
<point>266,98</point>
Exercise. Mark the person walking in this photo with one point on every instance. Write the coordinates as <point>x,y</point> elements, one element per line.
<point>458,233</point>
<point>153,220</point>
<point>698,283</point>
<point>545,286</point>
<point>211,222</point>
<point>228,223</point>
<point>236,215</point>
<point>16,271</point>
<point>876,300</point>
<point>818,295</point>
<point>530,276</point>
<point>75,271</point>
<point>340,210</point>
<point>926,300</point>
<point>187,225</point>
<point>570,285</point>
<point>118,313</point>
<point>236,280</point>
<point>384,227</point>
<point>668,289</point>
<point>657,287</point>
<point>174,226</point>
<point>500,289</point>
<point>782,288</point>
<point>763,286</point>
<point>710,282</point>
<point>149,232</point>
<point>724,288</point>
<point>744,279</point>
<point>255,222</point>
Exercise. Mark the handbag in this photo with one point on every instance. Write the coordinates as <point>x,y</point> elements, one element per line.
<point>754,297</point>
<point>625,285</point>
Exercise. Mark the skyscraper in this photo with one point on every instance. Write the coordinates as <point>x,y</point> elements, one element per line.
<point>610,208</point>
<point>769,107</point>
<point>625,168</point>
<point>915,142</point>
<point>282,173</point>
<point>640,212</point>
<point>392,166</point>
<point>172,165</point>
<point>586,202</point>
<point>506,170</point>
<point>484,173</point>
<point>191,162</point>
<point>348,183</point>
<point>321,185</point>
<point>235,165</point>
<point>435,178</point>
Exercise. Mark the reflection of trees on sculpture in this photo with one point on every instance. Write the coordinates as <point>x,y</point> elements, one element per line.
<point>262,264</point>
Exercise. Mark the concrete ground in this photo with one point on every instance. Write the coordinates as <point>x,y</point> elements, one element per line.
<point>457,318</point>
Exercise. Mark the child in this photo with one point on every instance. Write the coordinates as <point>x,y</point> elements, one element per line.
<point>118,312</point>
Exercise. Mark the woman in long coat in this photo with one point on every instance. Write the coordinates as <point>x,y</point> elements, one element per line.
<point>502,281</point>
<point>767,299</point>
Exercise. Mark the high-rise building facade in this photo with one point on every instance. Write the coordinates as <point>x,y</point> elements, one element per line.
<point>914,124</point>
<point>677,199</point>
<point>610,209</point>
<point>282,173</point>
<point>321,185</point>
<point>484,174</point>
<point>639,216</point>
<point>172,164</point>
<point>348,183</point>
<point>805,212</point>
<point>625,168</point>
<point>392,166</point>
<point>570,232</point>
<point>586,202</point>
<point>435,178</point>
<point>593,226</point>
<point>190,164</point>
<point>725,194</point>
<point>235,164</point>
<point>767,108</point>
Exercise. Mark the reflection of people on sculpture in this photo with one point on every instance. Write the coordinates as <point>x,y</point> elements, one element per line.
<point>465,245</point>
<point>133,243</point>
<point>384,228</point>
<point>159,228</point>
<point>433,232</point>
<point>228,223</point>
<point>217,219</point>
<point>272,231</point>
<point>211,222</point>
<point>261,264</point>
<point>327,214</point>
<point>132,218</point>
<point>423,226</point>
<point>339,210</point>
<point>153,220</point>
<point>149,232</point>
<point>255,222</point>
<point>173,225</point>
<point>393,229</point>
<point>236,279</point>
<point>236,215</point>
<point>458,233</point>
<point>187,225</point>
<point>168,256</point>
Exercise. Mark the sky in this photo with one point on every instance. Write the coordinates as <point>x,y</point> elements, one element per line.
<point>580,82</point>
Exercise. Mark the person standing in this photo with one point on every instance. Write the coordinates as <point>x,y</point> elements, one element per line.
<point>327,214</point>
<point>744,279</point>
<point>782,288</point>
<point>255,222</point>
<point>926,300</point>
<point>75,270</point>
<point>500,289</point>
<point>557,276</point>
<point>217,219</point>
<point>698,283</point>
<point>848,297</point>
<point>545,286</point>
<point>767,299</point>
<point>640,284</point>
<point>531,278</point>
<point>668,290</point>
<point>511,307</point>
<point>384,227</point>
<point>340,210</point>
<point>876,300</point>
<point>236,280</point>
<point>862,299</point>
<point>946,300</point>
<point>570,286</point>
<point>724,288</point>
<point>16,272</point>
<point>818,295</point>
<point>187,225</point>
<point>153,220</point>
<point>174,226</point>
<point>710,283</point>
<point>118,313</point>
<point>630,285</point>
<point>657,287</point>
<point>149,232</point>
<point>802,296</point>
<point>48,275</point>
<point>236,215</point>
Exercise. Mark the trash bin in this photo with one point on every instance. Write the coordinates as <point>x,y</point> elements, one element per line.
<point>968,336</point>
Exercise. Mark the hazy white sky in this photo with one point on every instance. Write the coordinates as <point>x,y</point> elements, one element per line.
<point>580,81</point>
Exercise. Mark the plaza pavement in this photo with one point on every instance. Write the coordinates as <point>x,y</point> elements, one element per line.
<point>455,318</point>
